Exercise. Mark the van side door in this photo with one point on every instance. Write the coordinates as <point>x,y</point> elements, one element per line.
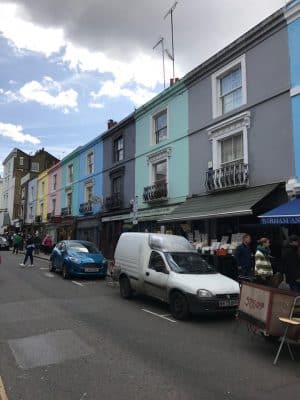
<point>156,277</point>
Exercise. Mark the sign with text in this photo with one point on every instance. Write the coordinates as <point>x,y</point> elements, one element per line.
<point>255,302</point>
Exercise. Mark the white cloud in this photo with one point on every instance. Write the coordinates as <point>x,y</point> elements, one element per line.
<point>96,105</point>
<point>48,93</point>
<point>15,133</point>
<point>12,82</point>
<point>113,89</point>
<point>26,35</point>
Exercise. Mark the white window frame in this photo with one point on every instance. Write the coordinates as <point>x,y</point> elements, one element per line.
<point>216,85</point>
<point>152,125</point>
<point>54,180</point>
<point>69,180</point>
<point>155,158</point>
<point>230,127</point>
<point>21,161</point>
<point>69,192</point>
<point>43,188</point>
<point>53,209</point>
<point>86,187</point>
<point>36,164</point>
<point>90,153</point>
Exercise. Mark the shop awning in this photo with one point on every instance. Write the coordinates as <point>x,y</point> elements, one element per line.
<point>220,205</point>
<point>153,214</point>
<point>288,213</point>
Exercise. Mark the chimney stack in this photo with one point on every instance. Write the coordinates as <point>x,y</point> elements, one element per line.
<point>171,82</point>
<point>111,123</point>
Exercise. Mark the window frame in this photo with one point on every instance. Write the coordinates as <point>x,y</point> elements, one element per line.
<point>68,195</point>
<point>231,137</point>
<point>21,161</point>
<point>69,175</point>
<point>153,133</point>
<point>116,151</point>
<point>217,104</point>
<point>87,186</point>
<point>88,163</point>
<point>54,182</point>
<point>36,163</point>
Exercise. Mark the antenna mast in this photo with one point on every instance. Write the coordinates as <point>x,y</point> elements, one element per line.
<point>161,42</point>
<point>170,12</point>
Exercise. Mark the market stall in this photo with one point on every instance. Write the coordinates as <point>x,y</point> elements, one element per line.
<point>261,306</point>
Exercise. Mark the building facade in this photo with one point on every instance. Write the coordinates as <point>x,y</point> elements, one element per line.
<point>54,201</point>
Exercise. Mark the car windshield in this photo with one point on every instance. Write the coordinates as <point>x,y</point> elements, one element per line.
<point>189,263</point>
<point>79,247</point>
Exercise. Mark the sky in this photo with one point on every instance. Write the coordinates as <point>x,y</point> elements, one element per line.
<point>67,66</point>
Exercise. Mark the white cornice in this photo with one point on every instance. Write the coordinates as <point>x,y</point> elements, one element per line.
<point>230,124</point>
<point>295,91</point>
<point>159,155</point>
<point>292,13</point>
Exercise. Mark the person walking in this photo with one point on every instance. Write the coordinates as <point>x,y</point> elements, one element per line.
<point>29,251</point>
<point>37,243</point>
<point>243,257</point>
<point>17,239</point>
<point>291,263</point>
<point>263,267</point>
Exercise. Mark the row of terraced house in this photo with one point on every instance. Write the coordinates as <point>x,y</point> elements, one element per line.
<point>209,154</point>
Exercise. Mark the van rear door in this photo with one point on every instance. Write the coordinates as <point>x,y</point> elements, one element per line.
<point>156,277</point>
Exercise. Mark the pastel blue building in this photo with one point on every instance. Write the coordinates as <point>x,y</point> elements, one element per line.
<point>32,201</point>
<point>90,190</point>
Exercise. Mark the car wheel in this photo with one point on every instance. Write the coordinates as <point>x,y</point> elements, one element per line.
<point>65,272</point>
<point>179,306</point>
<point>125,288</point>
<point>51,266</point>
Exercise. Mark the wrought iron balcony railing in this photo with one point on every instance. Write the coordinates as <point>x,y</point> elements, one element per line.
<point>156,192</point>
<point>86,208</point>
<point>228,176</point>
<point>65,211</point>
<point>50,215</point>
<point>114,201</point>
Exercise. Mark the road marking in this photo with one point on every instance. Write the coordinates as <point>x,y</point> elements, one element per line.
<point>159,315</point>
<point>77,283</point>
<point>3,395</point>
<point>44,268</point>
<point>49,275</point>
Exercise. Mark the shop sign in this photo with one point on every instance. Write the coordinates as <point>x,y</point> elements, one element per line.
<point>281,220</point>
<point>255,301</point>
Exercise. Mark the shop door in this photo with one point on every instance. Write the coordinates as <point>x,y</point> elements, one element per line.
<point>156,277</point>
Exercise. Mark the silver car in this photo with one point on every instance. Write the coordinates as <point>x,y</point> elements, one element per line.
<point>3,243</point>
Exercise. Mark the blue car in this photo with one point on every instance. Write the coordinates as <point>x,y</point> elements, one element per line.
<point>78,258</point>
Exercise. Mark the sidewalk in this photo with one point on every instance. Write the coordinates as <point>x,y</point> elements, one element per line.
<point>41,255</point>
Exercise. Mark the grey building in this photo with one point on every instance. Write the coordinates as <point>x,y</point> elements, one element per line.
<point>118,180</point>
<point>240,132</point>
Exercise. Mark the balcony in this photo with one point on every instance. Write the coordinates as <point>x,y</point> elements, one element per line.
<point>156,192</point>
<point>50,215</point>
<point>230,176</point>
<point>38,219</point>
<point>86,208</point>
<point>66,211</point>
<point>114,201</point>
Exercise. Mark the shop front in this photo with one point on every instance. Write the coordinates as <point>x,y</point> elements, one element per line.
<point>89,228</point>
<point>66,230</point>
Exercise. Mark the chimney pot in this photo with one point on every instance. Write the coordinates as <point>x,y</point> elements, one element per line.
<point>111,123</point>
<point>171,81</point>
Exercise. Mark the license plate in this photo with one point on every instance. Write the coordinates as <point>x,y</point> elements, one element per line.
<point>91,269</point>
<point>228,303</point>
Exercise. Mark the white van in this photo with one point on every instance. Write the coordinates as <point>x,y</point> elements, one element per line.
<point>168,268</point>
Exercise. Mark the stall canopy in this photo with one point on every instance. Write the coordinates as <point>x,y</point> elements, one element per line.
<point>220,205</point>
<point>288,213</point>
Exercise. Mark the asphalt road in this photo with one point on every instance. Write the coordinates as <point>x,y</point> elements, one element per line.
<point>79,340</point>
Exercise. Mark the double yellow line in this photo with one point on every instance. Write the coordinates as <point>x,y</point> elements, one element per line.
<point>3,395</point>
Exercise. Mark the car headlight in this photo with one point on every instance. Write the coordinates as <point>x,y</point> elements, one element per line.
<point>75,260</point>
<point>204,293</point>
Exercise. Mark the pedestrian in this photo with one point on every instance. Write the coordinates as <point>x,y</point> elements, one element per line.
<point>17,239</point>
<point>47,243</point>
<point>29,251</point>
<point>263,267</point>
<point>243,257</point>
<point>291,263</point>
<point>37,243</point>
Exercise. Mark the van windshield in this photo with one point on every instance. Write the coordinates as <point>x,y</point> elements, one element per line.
<point>188,263</point>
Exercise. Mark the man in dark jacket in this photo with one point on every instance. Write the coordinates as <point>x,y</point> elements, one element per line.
<point>291,263</point>
<point>243,256</point>
<point>29,251</point>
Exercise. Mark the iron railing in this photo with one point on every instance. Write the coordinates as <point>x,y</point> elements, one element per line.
<point>86,208</point>
<point>114,201</point>
<point>156,192</point>
<point>228,176</point>
<point>66,211</point>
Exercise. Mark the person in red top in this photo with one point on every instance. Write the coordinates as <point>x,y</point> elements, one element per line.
<point>47,243</point>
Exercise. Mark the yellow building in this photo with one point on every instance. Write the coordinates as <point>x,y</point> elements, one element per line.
<point>42,196</point>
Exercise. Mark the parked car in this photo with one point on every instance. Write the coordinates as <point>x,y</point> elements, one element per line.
<point>168,268</point>
<point>78,258</point>
<point>4,245</point>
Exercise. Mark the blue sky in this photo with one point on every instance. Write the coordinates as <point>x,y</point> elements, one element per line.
<point>67,67</point>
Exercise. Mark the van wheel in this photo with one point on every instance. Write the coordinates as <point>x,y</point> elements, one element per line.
<point>179,306</point>
<point>125,288</point>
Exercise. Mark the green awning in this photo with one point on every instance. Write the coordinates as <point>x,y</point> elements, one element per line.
<point>220,204</point>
